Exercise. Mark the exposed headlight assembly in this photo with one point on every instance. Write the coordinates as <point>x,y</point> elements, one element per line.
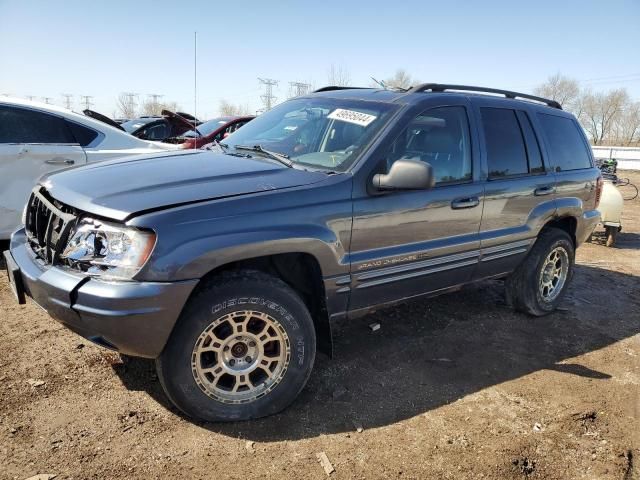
<point>108,250</point>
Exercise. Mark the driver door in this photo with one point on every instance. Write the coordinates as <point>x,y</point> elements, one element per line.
<point>408,243</point>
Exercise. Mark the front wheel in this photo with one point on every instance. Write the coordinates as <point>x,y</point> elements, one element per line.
<point>538,284</point>
<point>243,348</point>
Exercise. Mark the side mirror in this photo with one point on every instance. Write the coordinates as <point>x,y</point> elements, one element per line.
<point>405,174</point>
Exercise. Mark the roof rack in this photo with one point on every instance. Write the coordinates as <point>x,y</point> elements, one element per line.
<point>335,87</point>
<point>440,87</point>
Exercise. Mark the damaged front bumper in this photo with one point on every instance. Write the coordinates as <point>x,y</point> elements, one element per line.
<point>135,318</point>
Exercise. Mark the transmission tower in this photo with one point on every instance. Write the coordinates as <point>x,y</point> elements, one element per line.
<point>297,89</point>
<point>67,100</point>
<point>268,98</point>
<point>31,97</point>
<point>86,99</point>
<point>131,103</point>
<point>155,102</point>
<point>47,100</point>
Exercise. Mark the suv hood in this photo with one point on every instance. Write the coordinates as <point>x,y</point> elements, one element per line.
<point>120,188</point>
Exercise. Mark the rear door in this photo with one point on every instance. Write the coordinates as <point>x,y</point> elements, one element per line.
<point>32,143</point>
<point>570,156</point>
<point>519,186</point>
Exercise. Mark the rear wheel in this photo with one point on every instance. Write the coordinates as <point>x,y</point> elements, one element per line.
<point>538,284</point>
<point>243,348</point>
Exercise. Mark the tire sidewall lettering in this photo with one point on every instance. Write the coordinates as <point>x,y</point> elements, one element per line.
<point>298,347</point>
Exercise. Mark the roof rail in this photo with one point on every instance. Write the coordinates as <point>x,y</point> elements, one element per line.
<point>335,87</point>
<point>440,87</point>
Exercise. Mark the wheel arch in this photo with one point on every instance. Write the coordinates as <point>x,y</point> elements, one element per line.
<point>301,271</point>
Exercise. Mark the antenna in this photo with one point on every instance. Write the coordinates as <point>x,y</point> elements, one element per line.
<point>379,83</point>
<point>195,78</point>
<point>268,98</point>
<point>67,100</point>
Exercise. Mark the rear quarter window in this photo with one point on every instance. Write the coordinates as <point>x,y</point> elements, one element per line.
<point>83,135</point>
<point>565,143</point>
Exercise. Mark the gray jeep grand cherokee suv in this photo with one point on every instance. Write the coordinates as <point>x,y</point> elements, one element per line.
<point>228,266</point>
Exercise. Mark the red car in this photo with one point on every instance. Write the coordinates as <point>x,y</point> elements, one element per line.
<point>211,131</point>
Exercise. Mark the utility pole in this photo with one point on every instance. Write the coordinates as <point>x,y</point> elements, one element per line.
<point>297,89</point>
<point>268,98</point>
<point>86,99</point>
<point>67,100</point>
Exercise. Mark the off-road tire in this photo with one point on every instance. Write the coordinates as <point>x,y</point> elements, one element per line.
<point>228,293</point>
<point>522,286</point>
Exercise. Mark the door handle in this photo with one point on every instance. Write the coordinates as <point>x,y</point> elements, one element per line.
<point>60,161</point>
<point>466,202</point>
<point>546,190</point>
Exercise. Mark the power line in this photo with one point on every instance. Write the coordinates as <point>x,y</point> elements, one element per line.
<point>86,99</point>
<point>268,98</point>
<point>297,89</point>
<point>67,100</point>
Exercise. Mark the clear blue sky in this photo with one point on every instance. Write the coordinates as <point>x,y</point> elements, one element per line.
<point>103,48</point>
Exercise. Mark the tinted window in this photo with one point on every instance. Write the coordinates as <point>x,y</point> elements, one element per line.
<point>20,125</point>
<point>567,149</point>
<point>533,148</point>
<point>83,135</point>
<point>440,137</point>
<point>506,153</point>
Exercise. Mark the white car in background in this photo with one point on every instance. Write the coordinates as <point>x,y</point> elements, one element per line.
<point>37,138</point>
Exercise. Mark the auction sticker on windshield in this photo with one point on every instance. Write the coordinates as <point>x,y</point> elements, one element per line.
<point>351,116</point>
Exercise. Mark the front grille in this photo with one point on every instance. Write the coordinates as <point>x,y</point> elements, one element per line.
<point>47,224</point>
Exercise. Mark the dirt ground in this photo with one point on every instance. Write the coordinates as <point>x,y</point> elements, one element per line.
<point>455,387</point>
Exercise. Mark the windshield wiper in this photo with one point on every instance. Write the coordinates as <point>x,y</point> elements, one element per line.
<point>280,157</point>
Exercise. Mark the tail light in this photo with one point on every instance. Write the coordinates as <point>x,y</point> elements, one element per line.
<point>599,185</point>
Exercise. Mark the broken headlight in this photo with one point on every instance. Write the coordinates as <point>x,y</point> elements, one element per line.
<point>108,250</point>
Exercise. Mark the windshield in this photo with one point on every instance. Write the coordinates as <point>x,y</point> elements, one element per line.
<point>319,132</point>
<point>208,127</point>
<point>133,125</point>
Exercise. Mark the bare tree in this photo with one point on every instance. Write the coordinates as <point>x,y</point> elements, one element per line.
<point>564,90</point>
<point>627,129</point>
<point>601,111</point>
<point>400,79</point>
<point>126,105</point>
<point>153,107</point>
<point>228,108</point>
<point>338,76</point>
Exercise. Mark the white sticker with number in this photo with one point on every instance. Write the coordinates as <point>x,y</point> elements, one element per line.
<point>362,119</point>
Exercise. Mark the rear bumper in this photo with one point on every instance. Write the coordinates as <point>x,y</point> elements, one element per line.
<point>586,225</point>
<point>135,318</point>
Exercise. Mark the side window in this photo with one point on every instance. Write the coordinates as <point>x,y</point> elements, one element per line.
<point>565,142</point>
<point>506,153</point>
<point>83,135</point>
<point>21,125</point>
<point>533,148</point>
<point>440,137</point>
<point>155,132</point>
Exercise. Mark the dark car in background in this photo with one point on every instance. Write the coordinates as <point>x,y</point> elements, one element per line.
<point>211,131</point>
<point>161,128</point>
